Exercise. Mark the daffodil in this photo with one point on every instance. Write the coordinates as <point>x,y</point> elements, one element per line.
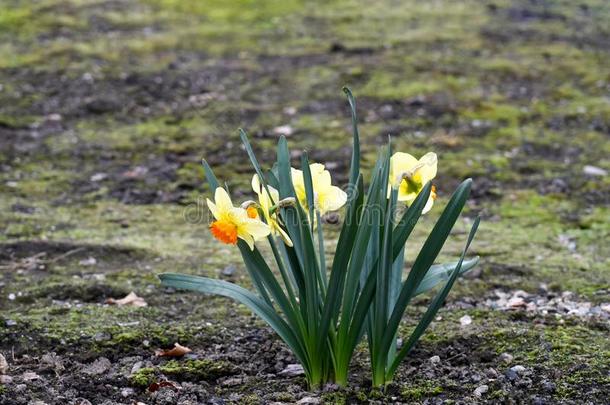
<point>234,222</point>
<point>409,175</point>
<point>266,201</point>
<point>326,196</point>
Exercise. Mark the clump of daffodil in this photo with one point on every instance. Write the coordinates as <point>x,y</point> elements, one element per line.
<point>326,196</point>
<point>410,175</point>
<point>235,222</point>
<point>267,200</point>
<point>323,309</point>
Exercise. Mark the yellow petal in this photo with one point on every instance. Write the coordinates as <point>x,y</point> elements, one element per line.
<point>284,236</point>
<point>400,163</point>
<point>332,200</point>
<point>213,208</point>
<point>246,237</point>
<point>222,200</point>
<point>429,167</point>
<point>256,228</point>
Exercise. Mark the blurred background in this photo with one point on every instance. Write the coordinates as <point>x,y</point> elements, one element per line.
<point>107,107</point>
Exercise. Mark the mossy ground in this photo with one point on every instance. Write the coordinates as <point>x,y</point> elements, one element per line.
<point>107,107</point>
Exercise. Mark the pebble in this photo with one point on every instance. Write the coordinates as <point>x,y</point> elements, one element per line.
<point>127,392</point>
<point>594,171</point>
<point>511,374</point>
<point>309,400</point>
<point>102,336</point>
<point>482,389</point>
<point>3,364</point>
<point>506,357</point>
<point>6,379</point>
<point>30,376</point>
<point>229,271</point>
<point>549,386</point>
<point>491,373</point>
<point>518,368</point>
<point>292,370</point>
<point>98,367</point>
<point>435,359</point>
<point>465,320</point>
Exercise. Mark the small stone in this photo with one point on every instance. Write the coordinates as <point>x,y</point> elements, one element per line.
<point>229,271</point>
<point>292,370</point>
<point>309,400</point>
<point>90,261</point>
<point>285,130</point>
<point>482,389</point>
<point>605,307</point>
<point>102,336</point>
<point>491,373</point>
<point>594,171</point>
<point>81,401</point>
<point>6,379</point>
<point>98,367</point>
<point>518,368</point>
<point>506,358</point>
<point>549,386</point>
<point>12,297</point>
<point>435,359</point>
<point>465,320</point>
<point>10,322</point>
<point>30,376</point>
<point>3,364</point>
<point>516,302</point>
<point>511,374</point>
<point>98,177</point>
<point>127,392</point>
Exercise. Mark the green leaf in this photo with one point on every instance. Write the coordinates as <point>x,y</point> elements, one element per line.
<point>355,162</point>
<point>240,294</point>
<point>209,174</point>
<point>426,257</point>
<point>252,156</point>
<point>434,306</point>
<point>442,272</point>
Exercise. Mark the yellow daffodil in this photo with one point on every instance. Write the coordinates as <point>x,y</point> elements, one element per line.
<point>410,175</point>
<point>267,201</point>
<point>326,196</point>
<point>234,222</point>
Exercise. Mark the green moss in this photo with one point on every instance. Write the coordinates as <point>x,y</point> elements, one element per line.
<point>200,369</point>
<point>143,377</point>
<point>417,392</point>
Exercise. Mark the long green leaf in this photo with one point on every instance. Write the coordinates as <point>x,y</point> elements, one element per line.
<point>442,272</point>
<point>434,306</point>
<point>425,258</point>
<point>355,162</point>
<point>240,294</point>
<point>209,174</point>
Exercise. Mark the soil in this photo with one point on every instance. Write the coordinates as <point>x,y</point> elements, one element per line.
<point>107,107</point>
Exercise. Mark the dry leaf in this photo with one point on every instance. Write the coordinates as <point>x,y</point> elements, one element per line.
<point>177,351</point>
<point>131,299</point>
<point>156,385</point>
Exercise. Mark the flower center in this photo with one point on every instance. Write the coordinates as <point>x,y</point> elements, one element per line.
<point>224,231</point>
<point>252,212</point>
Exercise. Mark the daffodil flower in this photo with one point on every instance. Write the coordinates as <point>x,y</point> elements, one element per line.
<point>234,222</point>
<point>326,196</point>
<point>266,202</point>
<point>409,176</point>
